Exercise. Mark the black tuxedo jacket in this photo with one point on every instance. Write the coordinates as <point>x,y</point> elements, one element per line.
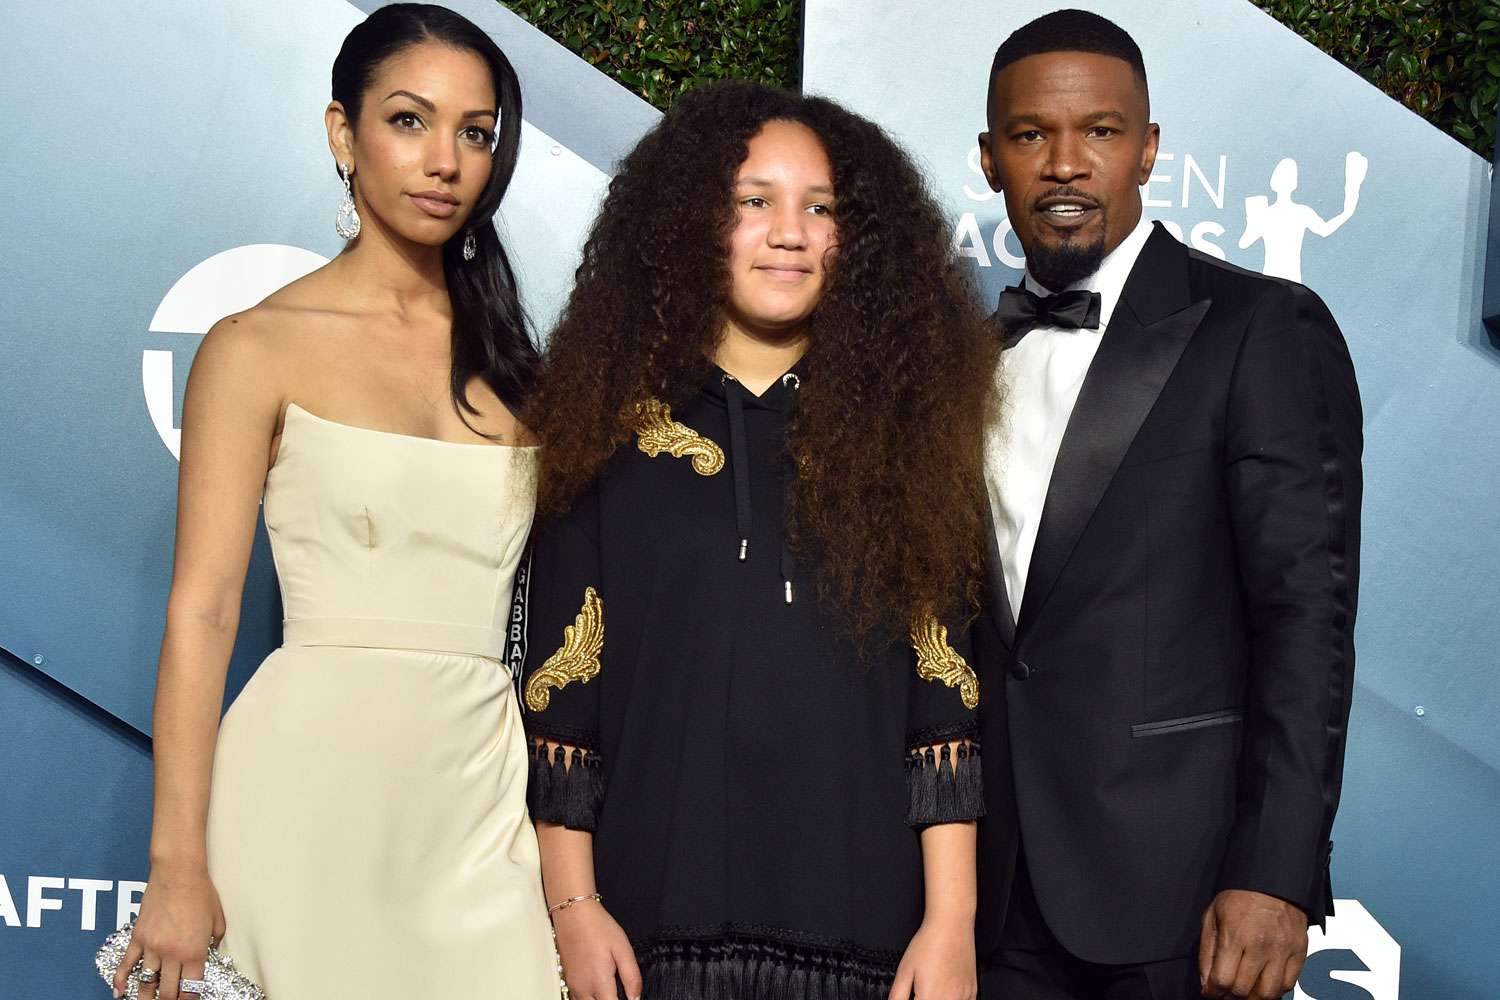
<point>1167,717</point>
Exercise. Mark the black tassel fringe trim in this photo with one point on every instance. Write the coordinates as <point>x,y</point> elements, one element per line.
<point>945,784</point>
<point>565,791</point>
<point>739,968</point>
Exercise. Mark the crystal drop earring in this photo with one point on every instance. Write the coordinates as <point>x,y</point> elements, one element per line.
<point>471,247</point>
<point>346,223</point>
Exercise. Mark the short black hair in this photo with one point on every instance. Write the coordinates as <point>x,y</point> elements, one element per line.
<point>1065,31</point>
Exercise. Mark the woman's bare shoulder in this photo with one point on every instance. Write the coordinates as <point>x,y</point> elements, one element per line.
<point>277,331</point>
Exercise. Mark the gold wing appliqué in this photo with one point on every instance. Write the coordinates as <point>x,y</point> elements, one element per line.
<point>577,660</point>
<point>657,432</point>
<point>938,661</point>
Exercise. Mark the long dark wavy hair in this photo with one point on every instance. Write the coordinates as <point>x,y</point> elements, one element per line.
<point>491,339</point>
<point>897,384</point>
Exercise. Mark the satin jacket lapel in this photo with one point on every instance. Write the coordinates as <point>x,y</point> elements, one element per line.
<point>1151,325</point>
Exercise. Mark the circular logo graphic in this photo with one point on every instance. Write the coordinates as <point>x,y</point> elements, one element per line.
<point>228,282</point>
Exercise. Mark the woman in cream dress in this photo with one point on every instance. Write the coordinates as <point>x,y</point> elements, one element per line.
<point>357,825</point>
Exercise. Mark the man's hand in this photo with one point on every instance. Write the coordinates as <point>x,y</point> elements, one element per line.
<point>1253,945</point>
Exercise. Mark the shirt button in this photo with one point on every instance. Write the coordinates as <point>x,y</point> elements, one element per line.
<point>1020,670</point>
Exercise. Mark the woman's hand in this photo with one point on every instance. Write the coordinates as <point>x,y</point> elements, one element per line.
<point>939,963</point>
<point>594,950</point>
<point>180,915</point>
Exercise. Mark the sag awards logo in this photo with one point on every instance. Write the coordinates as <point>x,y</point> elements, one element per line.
<point>225,283</point>
<point>1355,959</point>
<point>1278,221</point>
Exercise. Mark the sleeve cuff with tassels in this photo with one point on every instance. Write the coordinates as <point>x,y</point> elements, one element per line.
<point>566,786</point>
<point>945,784</point>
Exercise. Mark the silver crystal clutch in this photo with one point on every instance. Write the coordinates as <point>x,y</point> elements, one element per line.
<point>223,982</point>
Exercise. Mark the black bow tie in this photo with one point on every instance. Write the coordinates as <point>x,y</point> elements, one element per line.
<point>1021,311</point>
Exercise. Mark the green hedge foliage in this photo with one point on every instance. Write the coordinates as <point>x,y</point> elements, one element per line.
<point>1441,58</point>
<point>661,48</point>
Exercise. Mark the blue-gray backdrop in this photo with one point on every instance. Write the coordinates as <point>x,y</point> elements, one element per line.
<point>172,169</point>
<point>1275,157</point>
<point>1492,257</point>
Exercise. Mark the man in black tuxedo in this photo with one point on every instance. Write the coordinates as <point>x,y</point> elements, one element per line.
<point>1176,493</point>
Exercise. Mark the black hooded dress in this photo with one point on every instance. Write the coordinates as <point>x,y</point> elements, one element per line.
<point>756,789</point>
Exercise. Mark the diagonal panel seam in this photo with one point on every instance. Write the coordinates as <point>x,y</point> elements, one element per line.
<point>38,678</point>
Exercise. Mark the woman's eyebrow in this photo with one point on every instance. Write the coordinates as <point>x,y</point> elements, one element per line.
<point>481,113</point>
<point>416,97</point>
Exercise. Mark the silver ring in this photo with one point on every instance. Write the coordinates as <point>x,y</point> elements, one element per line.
<point>146,975</point>
<point>198,986</point>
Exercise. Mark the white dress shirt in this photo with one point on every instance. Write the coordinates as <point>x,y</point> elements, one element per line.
<point>1041,377</point>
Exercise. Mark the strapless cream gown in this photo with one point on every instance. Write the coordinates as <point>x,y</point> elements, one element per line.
<point>367,826</point>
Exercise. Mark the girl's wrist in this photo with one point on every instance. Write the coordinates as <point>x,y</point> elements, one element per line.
<point>569,902</point>
<point>950,919</point>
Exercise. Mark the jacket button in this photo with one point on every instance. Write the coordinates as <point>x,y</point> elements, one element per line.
<point>1019,670</point>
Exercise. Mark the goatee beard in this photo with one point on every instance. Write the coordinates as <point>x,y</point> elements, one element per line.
<point>1058,267</point>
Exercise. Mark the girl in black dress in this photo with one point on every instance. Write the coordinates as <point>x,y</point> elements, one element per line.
<point>747,677</point>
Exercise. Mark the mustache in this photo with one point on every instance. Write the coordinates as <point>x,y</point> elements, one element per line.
<point>1065,191</point>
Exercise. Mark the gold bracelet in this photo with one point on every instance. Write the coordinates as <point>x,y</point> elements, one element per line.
<point>574,899</point>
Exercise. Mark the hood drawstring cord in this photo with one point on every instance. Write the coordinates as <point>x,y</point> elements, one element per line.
<point>791,381</point>
<point>739,456</point>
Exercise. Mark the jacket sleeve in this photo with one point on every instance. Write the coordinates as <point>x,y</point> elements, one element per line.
<point>944,783</point>
<point>565,629</point>
<point>1293,443</point>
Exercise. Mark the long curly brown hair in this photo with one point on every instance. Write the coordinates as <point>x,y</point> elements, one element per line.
<point>897,382</point>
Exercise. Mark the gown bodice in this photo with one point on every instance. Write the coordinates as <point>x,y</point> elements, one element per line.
<point>384,539</point>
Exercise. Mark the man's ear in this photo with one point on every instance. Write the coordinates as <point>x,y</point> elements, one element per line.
<point>1148,152</point>
<point>987,162</point>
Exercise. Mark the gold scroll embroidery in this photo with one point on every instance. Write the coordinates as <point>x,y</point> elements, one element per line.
<point>657,432</point>
<point>577,660</point>
<point>938,661</point>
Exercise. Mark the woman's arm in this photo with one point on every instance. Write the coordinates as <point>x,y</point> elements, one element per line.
<point>229,417</point>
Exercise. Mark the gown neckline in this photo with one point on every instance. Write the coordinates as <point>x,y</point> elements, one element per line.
<point>405,437</point>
